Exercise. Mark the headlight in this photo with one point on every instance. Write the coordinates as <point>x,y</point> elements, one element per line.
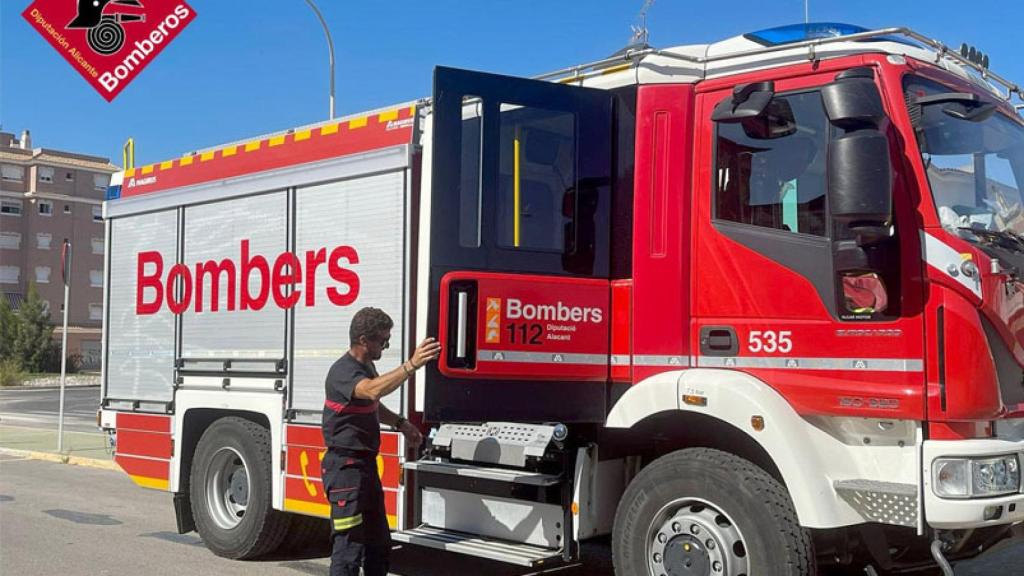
<point>970,478</point>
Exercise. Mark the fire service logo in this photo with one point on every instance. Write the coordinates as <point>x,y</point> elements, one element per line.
<point>109,41</point>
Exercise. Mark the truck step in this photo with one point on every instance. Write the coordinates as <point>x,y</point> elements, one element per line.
<point>499,474</point>
<point>884,502</point>
<point>473,545</point>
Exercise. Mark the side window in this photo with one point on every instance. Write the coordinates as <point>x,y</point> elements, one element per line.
<point>536,200</point>
<point>771,171</point>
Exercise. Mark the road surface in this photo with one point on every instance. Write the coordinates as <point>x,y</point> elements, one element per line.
<point>38,407</point>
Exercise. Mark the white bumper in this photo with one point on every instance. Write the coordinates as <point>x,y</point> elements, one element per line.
<point>950,513</point>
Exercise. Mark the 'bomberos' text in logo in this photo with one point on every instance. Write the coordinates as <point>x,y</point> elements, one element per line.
<point>109,41</point>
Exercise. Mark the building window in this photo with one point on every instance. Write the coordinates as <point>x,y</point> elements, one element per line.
<point>9,274</point>
<point>11,172</point>
<point>42,274</point>
<point>43,240</point>
<point>67,208</point>
<point>10,207</point>
<point>97,214</point>
<point>97,245</point>
<point>100,181</point>
<point>10,240</point>
<point>45,208</point>
<point>69,176</point>
<point>46,174</point>
<point>96,278</point>
<point>95,311</point>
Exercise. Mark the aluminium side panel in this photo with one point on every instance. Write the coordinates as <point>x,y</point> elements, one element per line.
<point>140,347</point>
<point>362,222</point>
<point>232,248</point>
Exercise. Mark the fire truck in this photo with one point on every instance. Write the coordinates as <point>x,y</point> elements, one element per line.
<point>751,307</point>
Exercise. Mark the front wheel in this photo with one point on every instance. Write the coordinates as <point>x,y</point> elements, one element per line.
<point>703,512</point>
<point>231,493</point>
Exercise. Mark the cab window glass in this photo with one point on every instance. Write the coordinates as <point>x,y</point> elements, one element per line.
<point>771,171</point>
<point>536,196</point>
<point>470,182</point>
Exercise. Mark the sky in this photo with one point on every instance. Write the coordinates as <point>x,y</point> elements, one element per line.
<point>245,68</point>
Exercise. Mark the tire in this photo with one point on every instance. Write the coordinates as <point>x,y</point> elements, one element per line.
<point>308,536</point>
<point>230,490</point>
<point>686,499</point>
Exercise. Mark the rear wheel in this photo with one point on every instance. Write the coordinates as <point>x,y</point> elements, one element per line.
<point>705,512</point>
<point>230,490</point>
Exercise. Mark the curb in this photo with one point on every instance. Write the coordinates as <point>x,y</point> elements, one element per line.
<point>61,458</point>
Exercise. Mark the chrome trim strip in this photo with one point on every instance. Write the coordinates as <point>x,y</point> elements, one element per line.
<point>787,363</point>
<point>541,357</point>
<point>659,360</point>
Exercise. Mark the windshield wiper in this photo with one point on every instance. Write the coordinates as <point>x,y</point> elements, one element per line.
<point>1003,238</point>
<point>961,105</point>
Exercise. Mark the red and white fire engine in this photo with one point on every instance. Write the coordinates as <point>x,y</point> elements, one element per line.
<point>748,308</point>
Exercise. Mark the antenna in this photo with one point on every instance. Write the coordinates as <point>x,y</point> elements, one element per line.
<point>640,32</point>
<point>807,11</point>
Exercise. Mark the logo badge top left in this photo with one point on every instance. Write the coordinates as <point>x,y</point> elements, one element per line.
<point>109,42</point>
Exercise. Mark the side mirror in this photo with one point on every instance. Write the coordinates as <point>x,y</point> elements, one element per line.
<point>860,180</point>
<point>860,170</point>
<point>852,101</point>
<point>748,101</point>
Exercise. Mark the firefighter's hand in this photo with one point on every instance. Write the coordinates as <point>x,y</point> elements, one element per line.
<point>412,435</point>
<point>428,350</point>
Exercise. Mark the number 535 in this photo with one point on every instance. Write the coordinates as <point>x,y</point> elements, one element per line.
<point>770,341</point>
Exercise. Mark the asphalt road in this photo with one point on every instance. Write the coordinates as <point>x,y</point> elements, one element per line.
<point>38,407</point>
<point>58,520</point>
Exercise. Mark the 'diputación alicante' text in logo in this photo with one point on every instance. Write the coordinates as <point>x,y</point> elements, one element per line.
<point>109,42</point>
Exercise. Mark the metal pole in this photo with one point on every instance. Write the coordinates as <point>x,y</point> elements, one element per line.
<point>66,273</point>
<point>330,49</point>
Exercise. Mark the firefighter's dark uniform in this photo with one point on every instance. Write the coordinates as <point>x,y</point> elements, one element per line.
<point>361,536</point>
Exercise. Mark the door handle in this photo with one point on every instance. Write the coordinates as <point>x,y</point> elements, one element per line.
<point>718,341</point>
<point>462,317</point>
<point>461,331</point>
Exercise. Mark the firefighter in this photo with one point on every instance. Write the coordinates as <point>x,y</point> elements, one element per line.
<point>351,428</point>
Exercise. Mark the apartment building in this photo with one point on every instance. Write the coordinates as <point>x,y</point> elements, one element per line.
<point>47,196</point>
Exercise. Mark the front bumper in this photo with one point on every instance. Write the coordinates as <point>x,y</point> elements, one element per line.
<point>946,513</point>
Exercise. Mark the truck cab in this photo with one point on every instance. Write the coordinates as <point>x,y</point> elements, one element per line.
<point>796,247</point>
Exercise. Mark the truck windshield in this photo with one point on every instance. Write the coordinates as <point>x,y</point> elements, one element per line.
<point>975,163</point>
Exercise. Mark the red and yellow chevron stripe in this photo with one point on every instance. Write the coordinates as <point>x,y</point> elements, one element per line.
<point>303,488</point>
<point>331,140</point>
<point>145,448</point>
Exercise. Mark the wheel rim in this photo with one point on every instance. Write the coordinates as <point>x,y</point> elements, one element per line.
<point>692,537</point>
<point>227,487</point>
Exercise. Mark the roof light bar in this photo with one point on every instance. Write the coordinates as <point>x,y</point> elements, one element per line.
<point>793,33</point>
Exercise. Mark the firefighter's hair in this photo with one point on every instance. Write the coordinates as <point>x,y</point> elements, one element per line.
<point>370,322</point>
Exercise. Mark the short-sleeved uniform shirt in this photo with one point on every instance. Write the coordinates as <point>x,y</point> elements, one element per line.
<point>350,424</point>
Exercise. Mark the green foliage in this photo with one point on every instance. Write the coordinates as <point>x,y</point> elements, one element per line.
<point>33,341</point>
<point>11,373</point>
<point>8,329</point>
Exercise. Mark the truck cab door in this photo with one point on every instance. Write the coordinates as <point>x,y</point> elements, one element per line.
<point>519,249</point>
<point>786,291</point>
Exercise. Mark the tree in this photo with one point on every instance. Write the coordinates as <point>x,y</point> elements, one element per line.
<point>8,329</point>
<point>33,342</point>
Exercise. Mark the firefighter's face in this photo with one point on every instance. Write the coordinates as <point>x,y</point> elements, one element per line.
<point>376,345</point>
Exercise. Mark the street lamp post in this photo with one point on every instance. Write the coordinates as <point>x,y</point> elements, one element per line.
<point>65,257</point>
<point>330,49</point>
